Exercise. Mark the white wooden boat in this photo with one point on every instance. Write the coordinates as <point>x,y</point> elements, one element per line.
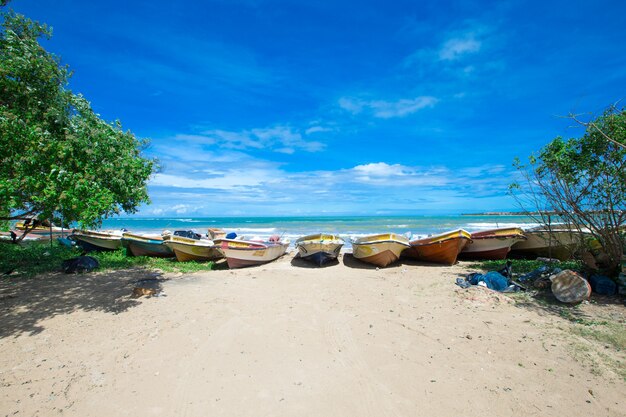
<point>98,240</point>
<point>493,243</point>
<point>187,249</point>
<point>380,250</point>
<point>560,241</point>
<point>319,248</point>
<point>243,253</point>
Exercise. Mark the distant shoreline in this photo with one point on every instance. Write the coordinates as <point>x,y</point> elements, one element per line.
<point>499,213</point>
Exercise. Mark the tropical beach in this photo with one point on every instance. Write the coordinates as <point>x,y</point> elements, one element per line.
<point>291,339</point>
<point>287,208</point>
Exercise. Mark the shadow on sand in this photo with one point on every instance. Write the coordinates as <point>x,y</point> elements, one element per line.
<point>545,302</point>
<point>351,262</point>
<point>25,302</point>
<point>405,260</point>
<point>298,262</point>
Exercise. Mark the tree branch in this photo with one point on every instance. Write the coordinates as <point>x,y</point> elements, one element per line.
<point>595,126</point>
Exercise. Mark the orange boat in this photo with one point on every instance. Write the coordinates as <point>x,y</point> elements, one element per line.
<point>442,248</point>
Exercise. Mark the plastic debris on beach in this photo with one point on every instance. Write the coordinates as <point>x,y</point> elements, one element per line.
<point>80,264</point>
<point>68,243</point>
<point>621,284</point>
<point>494,280</point>
<point>567,286</point>
<point>603,285</point>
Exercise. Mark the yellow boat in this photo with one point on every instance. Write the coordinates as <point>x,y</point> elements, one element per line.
<point>39,231</point>
<point>187,249</point>
<point>380,250</point>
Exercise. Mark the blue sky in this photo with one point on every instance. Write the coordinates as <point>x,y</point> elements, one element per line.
<point>339,107</point>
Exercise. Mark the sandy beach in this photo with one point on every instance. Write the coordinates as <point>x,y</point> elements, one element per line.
<point>289,339</point>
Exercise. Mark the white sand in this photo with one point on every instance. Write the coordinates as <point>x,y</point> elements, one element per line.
<point>289,340</point>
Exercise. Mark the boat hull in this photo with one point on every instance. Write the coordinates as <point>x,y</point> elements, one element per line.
<point>42,232</point>
<point>380,250</point>
<point>320,258</point>
<point>193,250</point>
<point>241,254</point>
<point>319,249</point>
<point>153,246</point>
<point>442,249</point>
<point>382,257</point>
<point>559,244</point>
<point>488,253</point>
<point>492,244</point>
<point>98,240</point>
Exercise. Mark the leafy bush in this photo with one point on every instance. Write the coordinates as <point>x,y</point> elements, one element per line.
<point>522,266</point>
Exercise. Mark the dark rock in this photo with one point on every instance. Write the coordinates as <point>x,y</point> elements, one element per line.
<point>80,264</point>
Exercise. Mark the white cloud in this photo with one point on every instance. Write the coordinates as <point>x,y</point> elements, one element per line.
<point>396,175</point>
<point>455,48</point>
<point>279,138</point>
<point>180,208</point>
<point>222,179</point>
<point>380,169</point>
<point>352,105</point>
<point>317,129</point>
<point>387,109</point>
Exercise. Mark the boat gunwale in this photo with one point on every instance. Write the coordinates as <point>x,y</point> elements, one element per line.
<point>439,241</point>
<point>97,235</point>
<point>153,239</point>
<point>187,241</point>
<point>500,237</point>
<point>190,244</point>
<point>259,245</point>
<point>319,237</point>
<point>375,242</point>
<point>442,237</point>
<point>319,242</point>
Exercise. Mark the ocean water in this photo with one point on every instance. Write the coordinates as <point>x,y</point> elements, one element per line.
<point>294,227</point>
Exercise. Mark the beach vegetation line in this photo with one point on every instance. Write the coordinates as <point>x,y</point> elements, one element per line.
<point>34,258</point>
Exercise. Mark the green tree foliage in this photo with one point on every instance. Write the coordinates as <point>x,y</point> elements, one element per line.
<point>57,157</point>
<point>584,180</point>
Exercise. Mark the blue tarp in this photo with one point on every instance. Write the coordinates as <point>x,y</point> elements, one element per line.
<point>494,280</point>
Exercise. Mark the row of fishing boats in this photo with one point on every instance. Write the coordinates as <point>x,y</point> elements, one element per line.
<point>379,249</point>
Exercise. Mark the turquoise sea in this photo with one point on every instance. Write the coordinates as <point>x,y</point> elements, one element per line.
<point>295,227</point>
